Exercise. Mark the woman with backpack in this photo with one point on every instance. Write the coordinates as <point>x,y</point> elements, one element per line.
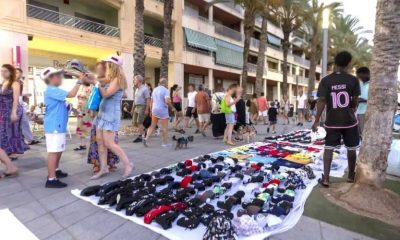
<point>228,106</point>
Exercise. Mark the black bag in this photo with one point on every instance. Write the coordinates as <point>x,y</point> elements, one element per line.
<point>218,124</point>
<point>147,122</point>
<point>220,228</point>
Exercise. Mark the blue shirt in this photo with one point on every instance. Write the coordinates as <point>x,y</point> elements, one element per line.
<point>160,108</point>
<point>56,117</point>
<point>362,107</point>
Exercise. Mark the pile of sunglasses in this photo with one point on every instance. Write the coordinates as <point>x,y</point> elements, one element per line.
<point>192,192</point>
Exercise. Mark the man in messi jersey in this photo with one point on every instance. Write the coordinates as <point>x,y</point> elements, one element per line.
<point>339,92</point>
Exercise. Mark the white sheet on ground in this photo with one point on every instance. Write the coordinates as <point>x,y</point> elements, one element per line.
<point>12,229</point>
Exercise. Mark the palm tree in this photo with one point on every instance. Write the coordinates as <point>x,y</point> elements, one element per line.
<point>313,29</point>
<point>166,45</point>
<point>261,50</point>
<point>367,195</point>
<point>139,55</point>
<point>251,8</point>
<point>291,15</point>
<point>346,35</point>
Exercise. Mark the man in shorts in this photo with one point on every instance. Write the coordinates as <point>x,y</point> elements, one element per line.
<point>203,108</point>
<point>160,101</point>
<point>262,105</point>
<point>191,108</point>
<point>301,108</point>
<point>339,92</point>
<point>141,106</point>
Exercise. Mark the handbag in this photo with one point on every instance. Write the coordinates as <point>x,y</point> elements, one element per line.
<point>94,100</point>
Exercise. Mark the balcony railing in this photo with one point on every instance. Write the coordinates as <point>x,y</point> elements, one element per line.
<point>227,32</point>
<point>254,43</point>
<point>71,21</point>
<point>301,60</point>
<point>152,41</point>
<point>234,7</point>
<point>251,67</point>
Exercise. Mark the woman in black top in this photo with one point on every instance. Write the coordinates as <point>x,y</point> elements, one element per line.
<point>240,114</point>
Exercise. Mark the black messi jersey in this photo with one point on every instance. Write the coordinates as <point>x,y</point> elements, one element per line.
<point>337,89</point>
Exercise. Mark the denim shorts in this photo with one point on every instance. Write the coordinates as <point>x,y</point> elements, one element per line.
<point>230,118</point>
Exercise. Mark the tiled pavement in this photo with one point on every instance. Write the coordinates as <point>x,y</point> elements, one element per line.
<point>57,215</point>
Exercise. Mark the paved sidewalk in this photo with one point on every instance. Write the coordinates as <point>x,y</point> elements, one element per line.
<point>57,214</point>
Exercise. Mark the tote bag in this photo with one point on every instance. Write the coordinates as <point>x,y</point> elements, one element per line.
<point>94,100</point>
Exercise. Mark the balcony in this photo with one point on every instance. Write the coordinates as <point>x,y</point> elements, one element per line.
<point>71,21</point>
<point>301,61</point>
<point>251,67</point>
<point>255,43</point>
<point>228,32</point>
<point>236,8</point>
<point>152,41</point>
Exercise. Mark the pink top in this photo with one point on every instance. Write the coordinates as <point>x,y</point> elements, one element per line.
<point>176,99</point>
<point>262,104</point>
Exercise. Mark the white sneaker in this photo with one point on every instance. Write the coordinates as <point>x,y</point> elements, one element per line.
<point>166,145</point>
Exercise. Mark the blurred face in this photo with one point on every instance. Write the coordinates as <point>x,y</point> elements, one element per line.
<point>231,91</point>
<point>190,88</point>
<point>363,76</point>
<point>5,74</point>
<point>137,82</point>
<point>55,80</point>
<point>100,70</point>
<point>239,91</point>
<point>285,98</point>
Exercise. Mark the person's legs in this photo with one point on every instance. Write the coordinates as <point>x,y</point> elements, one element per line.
<point>164,131</point>
<point>52,164</point>
<point>150,130</point>
<point>328,154</point>
<point>102,150</point>
<point>10,167</point>
<point>361,118</point>
<point>229,133</point>
<point>332,140</point>
<point>110,144</point>
<point>351,139</point>
<point>26,128</point>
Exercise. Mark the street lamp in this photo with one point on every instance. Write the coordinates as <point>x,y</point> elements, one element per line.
<point>325,26</point>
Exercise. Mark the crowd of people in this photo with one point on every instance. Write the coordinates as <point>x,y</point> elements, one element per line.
<point>229,112</point>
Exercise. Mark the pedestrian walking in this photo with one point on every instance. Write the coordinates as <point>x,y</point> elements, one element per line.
<point>272,117</point>
<point>176,96</point>
<point>160,101</point>
<point>11,140</point>
<point>286,108</point>
<point>191,111</point>
<point>253,108</point>
<point>203,108</point>
<point>141,107</point>
<point>228,107</point>
<point>262,105</point>
<point>108,119</point>
<point>301,108</point>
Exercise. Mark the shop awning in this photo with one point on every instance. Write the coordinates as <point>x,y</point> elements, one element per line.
<point>200,40</point>
<point>228,54</point>
<point>274,40</point>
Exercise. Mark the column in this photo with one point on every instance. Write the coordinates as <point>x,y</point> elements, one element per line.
<point>279,91</point>
<point>265,87</point>
<point>127,66</point>
<point>211,14</point>
<point>290,93</point>
<point>211,80</point>
<point>175,74</point>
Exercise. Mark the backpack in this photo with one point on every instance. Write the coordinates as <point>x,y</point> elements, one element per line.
<point>224,107</point>
<point>220,228</point>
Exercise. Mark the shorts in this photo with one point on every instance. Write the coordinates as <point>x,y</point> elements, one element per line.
<point>230,118</point>
<point>178,106</point>
<point>55,142</point>
<point>263,113</point>
<point>204,117</point>
<point>301,111</point>
<point>155,118</point>
<point>313,112</point>
<point>138,114</point>
<point>350,136</point>
<point>189,113</point>
<point>272,122</point>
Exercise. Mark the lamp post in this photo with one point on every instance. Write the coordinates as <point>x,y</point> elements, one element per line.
<point>325,26</point>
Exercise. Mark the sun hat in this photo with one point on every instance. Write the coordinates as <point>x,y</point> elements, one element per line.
<point>114,59</point>
<point>47,72</point>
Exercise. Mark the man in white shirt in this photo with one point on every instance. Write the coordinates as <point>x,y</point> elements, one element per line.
<point>191,108</point>
<point>301,107</point>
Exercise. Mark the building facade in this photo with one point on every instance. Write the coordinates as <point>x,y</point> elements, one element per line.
<point>207,42</point>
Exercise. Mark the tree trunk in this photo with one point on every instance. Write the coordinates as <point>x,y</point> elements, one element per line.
<point>382,100</point>
<point>249,18</point>
<point>261,55</point>
<point>313,63</point>
<point>168,7</point>
<point>139,56</point>
<point>285,49</point>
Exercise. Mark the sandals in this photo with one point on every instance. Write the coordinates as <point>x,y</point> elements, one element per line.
<point>322,183</point>
<point>80,148</point>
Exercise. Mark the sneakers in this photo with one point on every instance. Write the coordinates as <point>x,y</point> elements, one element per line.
<point>138,140</point>
<point>61,174</point>
<point>55,184</point>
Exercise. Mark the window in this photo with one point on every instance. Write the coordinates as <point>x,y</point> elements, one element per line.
<point>293,70</point>
<point>272,66</point>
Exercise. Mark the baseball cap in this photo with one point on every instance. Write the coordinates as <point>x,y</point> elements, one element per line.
<point>49,71</point>
<point>114,59</point>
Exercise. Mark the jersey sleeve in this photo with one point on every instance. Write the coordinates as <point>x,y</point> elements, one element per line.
<point>57,94</point>
<point>322,89</point>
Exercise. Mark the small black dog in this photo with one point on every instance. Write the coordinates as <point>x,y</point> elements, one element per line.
<point>182,141</point>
